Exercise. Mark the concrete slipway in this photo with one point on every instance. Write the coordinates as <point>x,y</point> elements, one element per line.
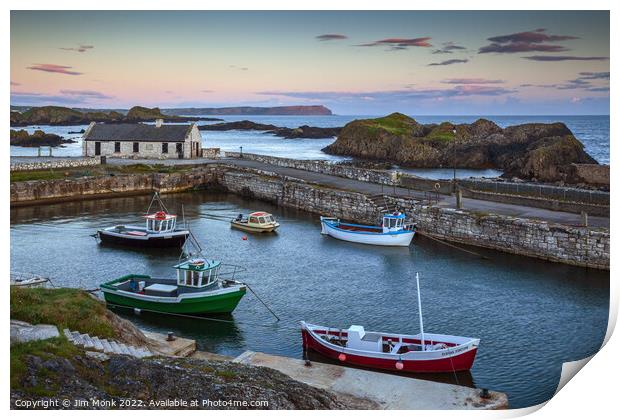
<point>383,391</point>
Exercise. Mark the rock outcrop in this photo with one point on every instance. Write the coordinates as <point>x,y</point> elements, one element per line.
<point>58,115</point>
<point>154,383</point>
<point>38,138</point>
<point>304,131</point>
<point>527,151</point>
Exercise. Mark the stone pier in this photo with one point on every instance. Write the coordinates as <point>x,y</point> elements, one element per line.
<point>580,246</point>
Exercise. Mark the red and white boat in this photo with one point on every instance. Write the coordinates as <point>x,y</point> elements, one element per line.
<point>396,352</point>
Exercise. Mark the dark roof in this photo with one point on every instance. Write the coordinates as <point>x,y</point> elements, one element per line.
<point>138,132</point>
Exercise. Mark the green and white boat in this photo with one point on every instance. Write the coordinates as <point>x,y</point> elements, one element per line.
<point>199,288</point>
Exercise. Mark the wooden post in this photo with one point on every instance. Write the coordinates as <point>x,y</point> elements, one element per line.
<point>584,218</point>
<point>459,199</point>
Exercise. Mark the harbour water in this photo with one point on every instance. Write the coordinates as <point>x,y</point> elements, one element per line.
<point>530,315</point>
<point>592,131</point>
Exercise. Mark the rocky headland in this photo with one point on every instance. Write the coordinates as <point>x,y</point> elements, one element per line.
<point>304,131</point>
<point>541,152</point>
<point>58,115</point>
<point>38,138</point>
<point>254,110</point>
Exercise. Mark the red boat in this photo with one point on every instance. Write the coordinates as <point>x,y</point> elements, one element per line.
<point>396,352</point>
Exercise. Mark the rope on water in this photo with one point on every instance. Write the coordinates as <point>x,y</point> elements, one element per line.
<point>202,318</point>
<point>428,235</point>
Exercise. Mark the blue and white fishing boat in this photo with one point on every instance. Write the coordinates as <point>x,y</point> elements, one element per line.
<point>393,232</point>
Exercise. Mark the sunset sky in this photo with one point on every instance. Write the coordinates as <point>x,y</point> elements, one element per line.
<point>433,63</point>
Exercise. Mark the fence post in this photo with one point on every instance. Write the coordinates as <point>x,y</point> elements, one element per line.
<point>584,218</point>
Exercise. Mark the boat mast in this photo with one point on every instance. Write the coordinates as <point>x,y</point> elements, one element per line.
<point>417,280</point>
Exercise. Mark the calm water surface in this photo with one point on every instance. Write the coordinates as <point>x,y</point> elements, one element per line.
<point>530,315</point>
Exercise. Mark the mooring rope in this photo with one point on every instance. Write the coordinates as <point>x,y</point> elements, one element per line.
<point>202,318</point>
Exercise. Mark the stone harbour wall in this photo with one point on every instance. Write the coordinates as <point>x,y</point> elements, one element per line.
<point>551,197</point>
<point>580,246</point>
<point>325,167</point>
<point>37,192</point>
<point>54,163</point>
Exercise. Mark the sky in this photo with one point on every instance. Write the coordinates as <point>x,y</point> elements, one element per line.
<point>364,63</point>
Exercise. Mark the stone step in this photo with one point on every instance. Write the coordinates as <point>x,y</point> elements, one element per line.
<point>124,348</point>
<point>97,343</point>
<point>106,346</point>
<point>115,348</point>
<point>88,342</point>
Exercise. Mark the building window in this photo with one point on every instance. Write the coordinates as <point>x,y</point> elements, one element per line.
<point>164,148</point>
<point>136,147</point>
<point>117,147</point>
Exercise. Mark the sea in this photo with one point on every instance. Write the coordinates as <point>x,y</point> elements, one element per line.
<point>591,130</point>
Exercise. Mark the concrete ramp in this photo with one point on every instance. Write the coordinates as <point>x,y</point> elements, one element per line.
<point>383,390</point>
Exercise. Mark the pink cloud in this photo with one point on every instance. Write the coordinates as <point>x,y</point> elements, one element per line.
<point>54,68</point>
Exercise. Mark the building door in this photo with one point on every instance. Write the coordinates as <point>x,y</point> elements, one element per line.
<point>180,150</point>
<point>97,148</point>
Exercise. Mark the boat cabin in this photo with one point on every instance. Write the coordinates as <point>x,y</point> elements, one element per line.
<point>359,339</point>
<point>197,272</point>
<point>160,222</point>
<point>260,218</point>
<point>393,222</point>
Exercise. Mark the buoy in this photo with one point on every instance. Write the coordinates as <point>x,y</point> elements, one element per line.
<point>400,365</point>
<point>342,357</point>
<point>245,238</point>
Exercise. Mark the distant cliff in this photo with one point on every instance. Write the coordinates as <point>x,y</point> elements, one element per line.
<point>253,110</point>
<point>58,115</point>
<point>301,132</point>
<point>528,151</point>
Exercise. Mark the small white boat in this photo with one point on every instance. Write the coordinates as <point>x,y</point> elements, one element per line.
<point>393,232</point>
<point>28,280</point>
<point>160,231</point>
<point>418,353</point>
<point>257,222</point>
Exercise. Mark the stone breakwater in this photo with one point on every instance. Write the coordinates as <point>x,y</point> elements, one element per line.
<point>324,167</point>
<point>54,163</point>
<point>569,199</point>
<point>586,247</point>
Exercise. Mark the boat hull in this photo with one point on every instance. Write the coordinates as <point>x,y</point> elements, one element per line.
<point>169,241</point>
<point>384,239</point>
<point>253,229</point>
<point>459,362</point>
<point>215,304</point>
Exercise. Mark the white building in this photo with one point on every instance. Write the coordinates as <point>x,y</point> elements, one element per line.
<point>159,141</point>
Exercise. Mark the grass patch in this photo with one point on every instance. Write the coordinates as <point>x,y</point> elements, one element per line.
<point>443,132</point>
<point>45,349</point>
<point>99,170</point>
<point>42,175</point>
<point>66,308</point>
<point>397,124</point>
<point>226,374</point>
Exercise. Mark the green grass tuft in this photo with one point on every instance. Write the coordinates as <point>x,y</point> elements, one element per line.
<point>66,308</point>
<point>45,349</point>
